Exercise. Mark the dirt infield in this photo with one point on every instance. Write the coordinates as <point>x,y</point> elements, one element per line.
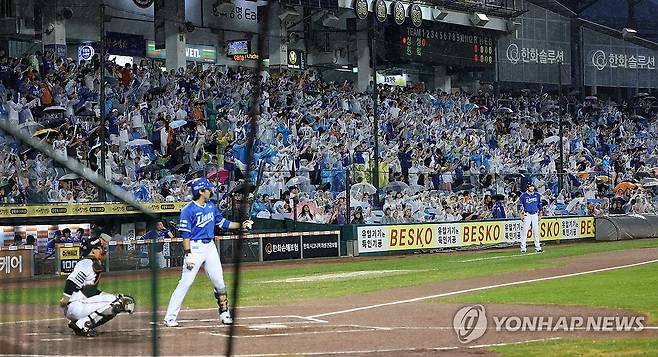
<point>385,323</point>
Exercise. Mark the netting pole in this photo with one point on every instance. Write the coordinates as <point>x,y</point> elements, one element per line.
<point>245,207</point>
<point>101,100</point>
<point>151,227</point>
<point>375,114</point>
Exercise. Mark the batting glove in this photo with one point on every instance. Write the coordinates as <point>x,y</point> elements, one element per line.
<point>247,224</point>
<point>189,261</point>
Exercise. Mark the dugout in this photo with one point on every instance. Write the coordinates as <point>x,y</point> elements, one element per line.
<point>117,220</point>
<point>130,248</point>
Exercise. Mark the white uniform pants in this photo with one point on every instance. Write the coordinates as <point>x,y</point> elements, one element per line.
<point>206,255</point>
<point>83,307</point>
<point>530,219</point>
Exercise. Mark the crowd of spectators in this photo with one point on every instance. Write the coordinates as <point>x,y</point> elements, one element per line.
<point>443,156</point>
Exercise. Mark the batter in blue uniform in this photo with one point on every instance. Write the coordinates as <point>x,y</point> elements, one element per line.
<point>197,227</point>
<point>530,213</point>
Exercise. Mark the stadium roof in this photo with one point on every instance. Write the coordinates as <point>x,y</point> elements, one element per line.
<point>615,14</point>
<point>492,8</point>
<point>555,6</point>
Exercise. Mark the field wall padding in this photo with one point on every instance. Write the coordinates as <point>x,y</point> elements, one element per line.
<point>624,227</point>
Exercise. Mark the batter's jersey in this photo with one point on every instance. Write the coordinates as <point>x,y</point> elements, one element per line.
<point>198,222</point>
<point>83,281</point>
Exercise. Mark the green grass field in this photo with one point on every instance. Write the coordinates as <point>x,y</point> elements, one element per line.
<point>255,291</point>
<point>631,289</point>
<point>609,289</point>
<point>626,347</point>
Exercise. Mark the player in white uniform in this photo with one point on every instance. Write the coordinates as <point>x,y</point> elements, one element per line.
<point>84,305</point>
<point>197,227</point>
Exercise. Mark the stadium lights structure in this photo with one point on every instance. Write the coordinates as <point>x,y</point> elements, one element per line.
<point>628,33</point>
<point>222,7</point>
<point>288,12</point>
<point>479,19</point>
<point>439,13</point>
<point>330,20</point>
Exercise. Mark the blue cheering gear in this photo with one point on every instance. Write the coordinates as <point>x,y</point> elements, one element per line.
<point>201,184</point>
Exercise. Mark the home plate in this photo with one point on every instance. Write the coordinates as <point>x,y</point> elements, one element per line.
<point>267,326</point>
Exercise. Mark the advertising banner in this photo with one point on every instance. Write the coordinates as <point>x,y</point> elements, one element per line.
<point>463,234</point>
<point>124,44</point>
<point>296,59</point>
<point>612,62</point>
<point>237,15</point>
<point>68,258</point>
<point>195,53</point>
<point>320,246</point>
<point>16,263</point>
<point>532,53</point>
<point>280,248</point>
<point>58,49</point>
<point>82,209</point>
<point>86,52</point>
<point>411,237</point>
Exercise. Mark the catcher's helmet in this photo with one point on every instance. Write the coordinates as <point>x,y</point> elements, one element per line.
<point>88,244</point>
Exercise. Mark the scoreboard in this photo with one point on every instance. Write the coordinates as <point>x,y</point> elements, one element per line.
<point>447,45</point>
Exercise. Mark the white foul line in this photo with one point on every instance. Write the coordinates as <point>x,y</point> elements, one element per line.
<point>368,307</point>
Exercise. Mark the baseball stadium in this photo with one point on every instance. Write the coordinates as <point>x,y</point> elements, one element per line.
<point>362,178</point>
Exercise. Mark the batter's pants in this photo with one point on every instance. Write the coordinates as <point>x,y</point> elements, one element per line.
<point>206,255</point>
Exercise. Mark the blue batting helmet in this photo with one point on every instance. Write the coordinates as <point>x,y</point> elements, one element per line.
<point>201,184</point>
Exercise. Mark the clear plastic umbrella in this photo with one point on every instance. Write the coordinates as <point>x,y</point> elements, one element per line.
<point>71,176</point>
<point>298,181</point>
<point>139,142</point>
<point>649,182</point>
<point>55,109</point>
<point>551,139</point>
<point>177,124</point>
<point>414,189</point>
<point>396,186</point>
<point>362,187</point>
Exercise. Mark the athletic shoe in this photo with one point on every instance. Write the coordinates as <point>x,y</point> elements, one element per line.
<point>84,325</point>
<point>225,318</point>
<point>171,323</point>
<point>91,333</point>
<point>523,251</point>
<point>76,329</point>
<point>539,250</point>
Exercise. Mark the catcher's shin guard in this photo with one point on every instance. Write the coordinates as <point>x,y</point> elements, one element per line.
<point>123,303</point>
<point>222,300</point>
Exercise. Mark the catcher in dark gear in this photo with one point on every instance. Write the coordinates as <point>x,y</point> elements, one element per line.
<point>84,304</point>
